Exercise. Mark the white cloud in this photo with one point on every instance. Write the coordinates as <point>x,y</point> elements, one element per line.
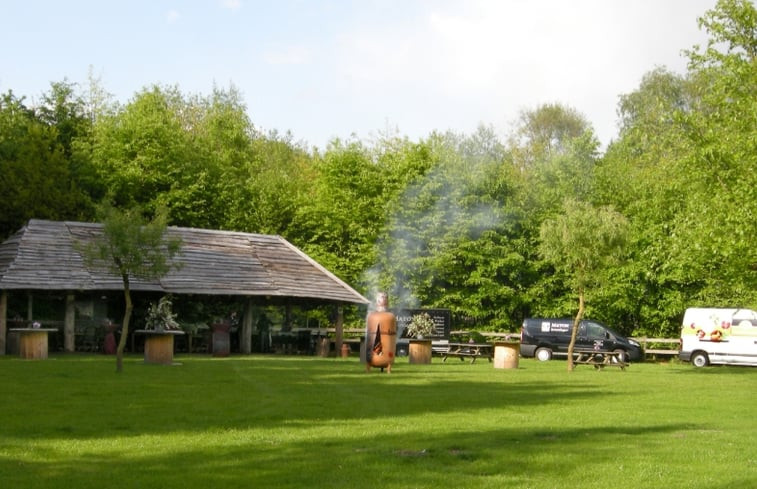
<point>486,60</point>
<point>232,4</point>
<point>172,16</point>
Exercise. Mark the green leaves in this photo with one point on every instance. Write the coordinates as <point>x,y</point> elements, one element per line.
<point>583,242</point>
<point>131,245</point>
<point>35,175</point>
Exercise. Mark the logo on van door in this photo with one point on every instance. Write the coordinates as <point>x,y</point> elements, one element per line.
<point>549,326</point>
<point>718,331</point>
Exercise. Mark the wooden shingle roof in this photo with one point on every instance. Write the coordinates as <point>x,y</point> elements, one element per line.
<point>46,255</point>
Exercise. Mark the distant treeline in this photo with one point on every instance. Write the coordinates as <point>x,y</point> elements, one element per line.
<point>451,221</point>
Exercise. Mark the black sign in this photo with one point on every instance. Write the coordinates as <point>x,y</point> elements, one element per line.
<point>440,317</point>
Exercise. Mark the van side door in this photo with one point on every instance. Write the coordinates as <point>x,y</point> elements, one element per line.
<point>592,336</point>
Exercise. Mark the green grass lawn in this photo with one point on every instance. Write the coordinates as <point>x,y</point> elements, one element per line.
<point>305,422</point>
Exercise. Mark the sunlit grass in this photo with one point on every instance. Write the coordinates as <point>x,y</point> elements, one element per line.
<point>272,421</point>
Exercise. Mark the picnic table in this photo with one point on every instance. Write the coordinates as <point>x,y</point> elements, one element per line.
<point>600,359</point>
<point>470,350</point>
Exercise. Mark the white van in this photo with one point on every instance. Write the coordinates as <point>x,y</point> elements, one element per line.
<point>719,336</point>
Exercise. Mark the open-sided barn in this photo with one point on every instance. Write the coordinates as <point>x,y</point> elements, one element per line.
<point>47,256</point>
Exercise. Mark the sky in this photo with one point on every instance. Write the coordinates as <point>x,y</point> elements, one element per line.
<point>324,69</point>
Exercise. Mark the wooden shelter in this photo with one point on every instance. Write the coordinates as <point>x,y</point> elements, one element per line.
<point>46,256</point>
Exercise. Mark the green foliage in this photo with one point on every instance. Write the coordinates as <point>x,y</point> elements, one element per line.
<point>420,325</point>
<point>683,172</point>
<point>145,157</point>
<point>160,315</point>
<point>347,206</point>
<point>717,227</point>
<point>546,132</point>
<point>451,240</point>
<point>131,245</point>
<point>35,178</point>
<point>583,242</point>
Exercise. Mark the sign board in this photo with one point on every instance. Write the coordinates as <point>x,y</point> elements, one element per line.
<point>441,318</point>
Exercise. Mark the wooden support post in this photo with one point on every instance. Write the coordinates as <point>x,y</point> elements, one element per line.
<point>3,320</point>
<point>287,317</point>
<point>29,307</point>
<point>245,335</point>
<point>69,333</point>
<point>339,328</point>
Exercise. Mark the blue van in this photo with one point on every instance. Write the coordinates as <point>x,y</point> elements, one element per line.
<point>544,338</point>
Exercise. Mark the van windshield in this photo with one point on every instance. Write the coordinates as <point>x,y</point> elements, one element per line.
<point>614,333</point>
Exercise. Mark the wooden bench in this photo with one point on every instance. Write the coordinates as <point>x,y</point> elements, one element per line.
<point>439,347</point>
<point>600,359</point>
<point>468,350</point>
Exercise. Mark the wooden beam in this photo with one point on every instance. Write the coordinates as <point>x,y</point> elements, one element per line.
<point>245,335</point>
<point>339,329</point>
<point>69,333</point>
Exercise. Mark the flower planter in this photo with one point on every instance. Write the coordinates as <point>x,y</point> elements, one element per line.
<point>506,354</point>
<point>159,345</point>
<point>420,351</point>
<point>32,343</point>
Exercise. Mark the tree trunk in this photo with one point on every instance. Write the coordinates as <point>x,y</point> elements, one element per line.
<point>574,333</point>
<point>124,326</point>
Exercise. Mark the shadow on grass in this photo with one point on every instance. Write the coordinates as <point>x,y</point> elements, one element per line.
<point>718,370</point>
<point>414,459</point>
<point>81,398</point>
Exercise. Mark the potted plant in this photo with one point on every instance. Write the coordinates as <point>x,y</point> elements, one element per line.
<point>160,317</point>
<point>421,325</point>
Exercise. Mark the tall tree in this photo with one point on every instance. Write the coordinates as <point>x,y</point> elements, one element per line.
<point>641,176</point>
<point>581,244</point>
<point>452,235</point>
<point>132,246</point>
<point>149,154</point>
<point>544,132</point>
<point>345,210</point>
<point>722,201</point>
<point>683,172</point>
<point>555,151</point>
<point>35,178</point>
<point>271,185</point>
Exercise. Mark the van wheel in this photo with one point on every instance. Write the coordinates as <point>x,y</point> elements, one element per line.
<point>699,359</point>
<point>543,354</point>
<point>622,355</point>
